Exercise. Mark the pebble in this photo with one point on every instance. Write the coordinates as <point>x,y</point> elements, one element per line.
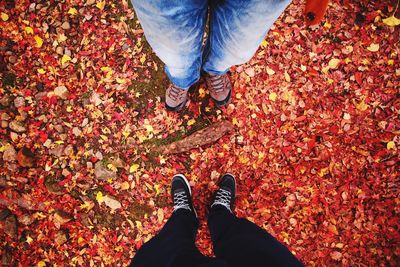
<point>9,154</point>
<point>16,126</point>
<point>5,117</point>
<point>4,124</point>
<point>19,102</point>
<point>61,91</point>
<point>99,155</point>
<point>102,172</point>
<point>76,131</point>
<point>60,50</point>
<point>66,25</point>
<point>69,150</point>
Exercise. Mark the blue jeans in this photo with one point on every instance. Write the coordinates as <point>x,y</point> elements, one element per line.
<point>175,30</point>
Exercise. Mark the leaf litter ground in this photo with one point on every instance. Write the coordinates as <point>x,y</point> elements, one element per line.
<point>315,141</point>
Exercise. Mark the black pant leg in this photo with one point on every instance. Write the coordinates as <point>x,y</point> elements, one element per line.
<point>241,243</point>
<point>174,245</point>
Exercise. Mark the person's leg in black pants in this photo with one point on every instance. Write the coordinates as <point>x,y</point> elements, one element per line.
<point>240,242</point>
<point>174,245</point>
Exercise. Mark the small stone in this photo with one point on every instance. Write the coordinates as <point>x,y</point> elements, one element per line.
<point>17,126</point>
<point>99,155</point>
<point>9,154</point>
<point>69,150</point>
<point>4,214</point>
<point>4,124</point>
<point>19,102</point>
<point>12,59</point>
<point>67,52</point>
<point>26,219</point>
<point>5,117</point>
<point>84,122</point>
<point>57,151</point>
<point>66,25</point>
<point>60,50</point>
<point>5,101</point>
<point>59,128</point>
<point>61,91</point>
<point>47,143</point>
<point>61,217</point>
<point>102,172</point>
<point>10,226</point>
<point>90,2</point>
<point>76,131</point>
<point>60,237</point>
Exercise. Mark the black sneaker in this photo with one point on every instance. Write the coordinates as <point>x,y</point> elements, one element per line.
<point>182,194</point>
<point>225,195</point>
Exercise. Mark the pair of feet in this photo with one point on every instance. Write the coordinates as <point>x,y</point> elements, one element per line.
<point>220,88</point>
<point>224,197</point>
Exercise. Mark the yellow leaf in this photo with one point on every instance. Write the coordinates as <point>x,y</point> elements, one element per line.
<point>29,239</point>
<point>361,106</point>
<point>62,38</point>
<point>120,81</point>
<point>272,96</point>
<point>333,63</point>
<point>99,197</point>
<point>105,69</point>
<point>323,172</point>
<point>270,71</point>
<point>148,128</point>
<point>65,59</point>
<point>100,5</point>
<point>143,58</point>
<point>39,41</point>
<point>390,62</point>
<point>72,11</point>
<point>287,77</point>
<point>235,121</point>
<point>373,47</point>
<point>4,16</point>
<point>191,122</point>
<point>125,186</point>
<point>69,109</point>
<point>133,168</point>
<point>391,145</point>
<point>110,166</point>
<point>41,264</point>
<point>157,188</point>
<point>391,21</point>
<point>41,71</point>
<point>28,30</point>
<point>264,44</point>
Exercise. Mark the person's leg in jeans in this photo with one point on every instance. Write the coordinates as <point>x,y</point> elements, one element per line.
<point>174,245</point>
<point>237,28</point>
<point>175,29</point>
<point>238,241</point>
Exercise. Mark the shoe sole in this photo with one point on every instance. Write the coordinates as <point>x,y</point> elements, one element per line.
<point>224,102</point>
<point>178,107</point>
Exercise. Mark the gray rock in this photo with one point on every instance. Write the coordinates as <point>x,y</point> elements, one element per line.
<point>10,226</point>
<point>61,91</point>
<point>76,131</point>
<point>17,126</point>
<point>102,173</point>
<point>9,153</point>
<point>19,102</point>
<point>57,150</point>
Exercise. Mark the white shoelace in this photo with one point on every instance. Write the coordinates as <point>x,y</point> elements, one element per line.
<point>223,198</point>
<point>217,83</point>
<point>181,201</point>
<point>175,93</point>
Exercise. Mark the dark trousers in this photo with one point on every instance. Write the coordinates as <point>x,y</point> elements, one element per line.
<point>237,243</point>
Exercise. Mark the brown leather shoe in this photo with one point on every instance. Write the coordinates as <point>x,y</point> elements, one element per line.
<point>175,98</point>
<point>220,88</point>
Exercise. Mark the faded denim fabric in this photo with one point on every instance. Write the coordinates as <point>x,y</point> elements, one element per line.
<point>175,29</point>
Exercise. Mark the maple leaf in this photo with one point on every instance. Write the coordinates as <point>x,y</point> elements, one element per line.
<point>39,41</point>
